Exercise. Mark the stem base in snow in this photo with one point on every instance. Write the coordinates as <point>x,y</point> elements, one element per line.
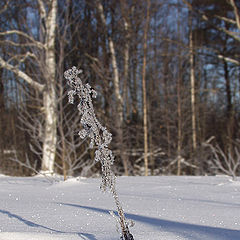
<point>127,236</point>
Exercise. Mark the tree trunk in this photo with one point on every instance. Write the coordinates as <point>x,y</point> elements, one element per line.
<point>166,103</point>
<point>125,83</point>
<point>119,100</point>
<point>179,103</point>
<point>49,95</point>
<point>125,54</point>
<point>228,89</point>
<point>179,111</point>
<point>145,126</point>
<point>50,133</point>
<point>1,114</point>
<point>192,78</point>
<point>192,87</point>
<point>230,115</point>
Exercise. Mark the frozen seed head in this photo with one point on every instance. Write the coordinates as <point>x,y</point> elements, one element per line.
<point>92,128</point>
<point>99,136</point>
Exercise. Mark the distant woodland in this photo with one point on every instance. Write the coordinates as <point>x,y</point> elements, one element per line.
<point>167,74</point>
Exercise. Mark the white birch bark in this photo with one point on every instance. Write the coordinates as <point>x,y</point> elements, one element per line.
<point>144,91</point>
<point>179,104</point>
<point>125,81</point>
<point>50,135</point>
<point>126,24</point>
<point>114,62</point>
<point>115,83</point>
<point>192,80</point>
<point>236,13</point>
<point>22,75</point>
<point>49,101</point>
<point>48,65</point>
<point>126,64</point>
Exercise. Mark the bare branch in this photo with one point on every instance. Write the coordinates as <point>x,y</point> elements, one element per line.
<point>225,162</point>
<point>229,20</point>
<point>206,18</point>
<point>236,13</point>
<point>22,57</point>
<point>4,7</point>
<point>36,43</point>
<point>229,33</point>
<point>227,59</point>
<point>32,167</point>
<point>19,44</point>
<point>22,75</point>
<point>156,152</point>
<point>188,164</point>
<point>42,10</point>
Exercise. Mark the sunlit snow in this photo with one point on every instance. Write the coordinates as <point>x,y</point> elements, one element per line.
<point>163,208</point>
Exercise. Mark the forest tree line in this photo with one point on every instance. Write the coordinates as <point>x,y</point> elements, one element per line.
<point>167,74</point>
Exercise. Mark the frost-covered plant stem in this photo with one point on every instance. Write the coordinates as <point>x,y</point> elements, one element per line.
<point>99,136</point>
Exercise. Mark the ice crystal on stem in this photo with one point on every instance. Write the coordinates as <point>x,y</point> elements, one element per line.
<point>98,136</point>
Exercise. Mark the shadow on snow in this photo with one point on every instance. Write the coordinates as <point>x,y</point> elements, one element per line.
<point>85,236</point>
<point>186,230</point>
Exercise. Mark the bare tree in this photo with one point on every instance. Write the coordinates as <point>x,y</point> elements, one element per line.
<point>116,83</point>
<point>192,80</point>
<point>145,125</point>
<point>227,163</point>
<point>42,53</point>
<point>179,100</point>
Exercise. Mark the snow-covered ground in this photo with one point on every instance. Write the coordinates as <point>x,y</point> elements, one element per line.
<point>163,208</point>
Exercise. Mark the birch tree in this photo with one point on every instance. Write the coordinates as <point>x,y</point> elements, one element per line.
<point>41,51</point>
<point>116,83</point>
<point>192,80</point>
<point>179,101</point>
<point>145,126</point>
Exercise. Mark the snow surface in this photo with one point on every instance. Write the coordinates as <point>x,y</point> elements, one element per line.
<point>163,208</point>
